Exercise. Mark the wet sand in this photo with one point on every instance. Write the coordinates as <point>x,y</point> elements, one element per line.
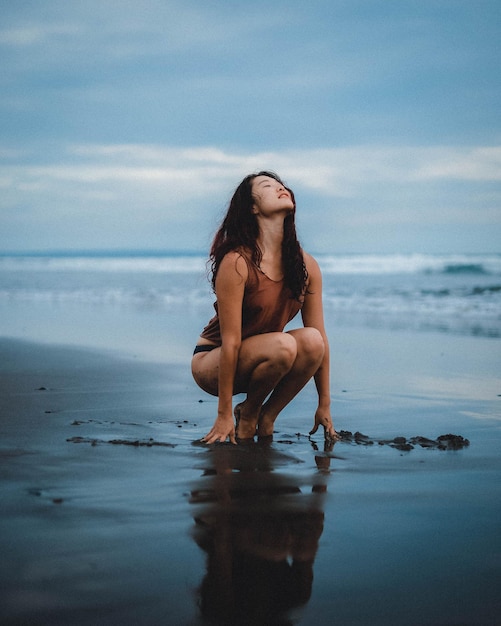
<point>113,513</point>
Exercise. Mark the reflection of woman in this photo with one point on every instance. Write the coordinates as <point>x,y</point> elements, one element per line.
<point>262,279</point>
<point>251,583</point>
<point>260,532</point>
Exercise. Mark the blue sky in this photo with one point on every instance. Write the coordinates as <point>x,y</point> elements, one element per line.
<point>127,125</point>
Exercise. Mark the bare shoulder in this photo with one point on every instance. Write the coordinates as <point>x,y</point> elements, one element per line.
<point>312,266</point>
<point>233,265</point>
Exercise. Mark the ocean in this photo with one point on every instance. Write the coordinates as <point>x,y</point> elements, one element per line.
<point>458,294</point>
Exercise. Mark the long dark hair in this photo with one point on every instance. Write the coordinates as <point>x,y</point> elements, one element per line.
<point>240,230</point>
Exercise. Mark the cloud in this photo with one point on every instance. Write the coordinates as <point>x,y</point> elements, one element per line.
<point>467,164</point>
<point>133,195</point>
<point>334,172</point>
<point>36,34</point>
<point>368,184</point>
<point>126,30</point>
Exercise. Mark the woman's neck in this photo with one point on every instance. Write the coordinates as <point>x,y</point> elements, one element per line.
<point>270,243</point>
<point>271,234</point>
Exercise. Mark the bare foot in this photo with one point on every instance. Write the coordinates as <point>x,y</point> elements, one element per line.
<point>265,425</point>
<point>245,427</point>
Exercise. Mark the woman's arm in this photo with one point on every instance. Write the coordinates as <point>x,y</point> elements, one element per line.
<point>230,284</point>
<point>313,316</point>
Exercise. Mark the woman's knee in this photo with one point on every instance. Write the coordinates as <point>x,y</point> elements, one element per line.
<point>268,356</point>
<point>310,343</point>
<point>283,349</point>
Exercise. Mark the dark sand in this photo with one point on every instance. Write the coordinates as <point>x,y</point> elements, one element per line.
<point>113,514</point>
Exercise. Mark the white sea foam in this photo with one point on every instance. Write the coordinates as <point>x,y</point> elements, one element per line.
<point>119,264</point>
<point>410,264</point>
<point>330,264</point>
<point>461,292</point>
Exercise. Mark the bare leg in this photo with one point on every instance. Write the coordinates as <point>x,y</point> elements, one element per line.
<point>263,361</point>
<point>310,352</point>
<point>276,363</point>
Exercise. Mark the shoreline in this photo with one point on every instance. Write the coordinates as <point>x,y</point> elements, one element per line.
<point>99,533</point>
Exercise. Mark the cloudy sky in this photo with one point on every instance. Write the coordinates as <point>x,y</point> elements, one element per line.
<point>127,125</point>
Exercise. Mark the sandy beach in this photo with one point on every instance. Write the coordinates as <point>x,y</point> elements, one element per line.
<point>113,513</point>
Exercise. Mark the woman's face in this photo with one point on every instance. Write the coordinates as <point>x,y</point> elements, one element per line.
<point>270,196</point>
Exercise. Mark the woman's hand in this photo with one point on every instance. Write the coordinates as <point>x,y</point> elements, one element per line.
<point>323,418</point>
<point>222,429</point>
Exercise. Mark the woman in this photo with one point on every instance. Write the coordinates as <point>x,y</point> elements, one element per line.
<point>262,279</point>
